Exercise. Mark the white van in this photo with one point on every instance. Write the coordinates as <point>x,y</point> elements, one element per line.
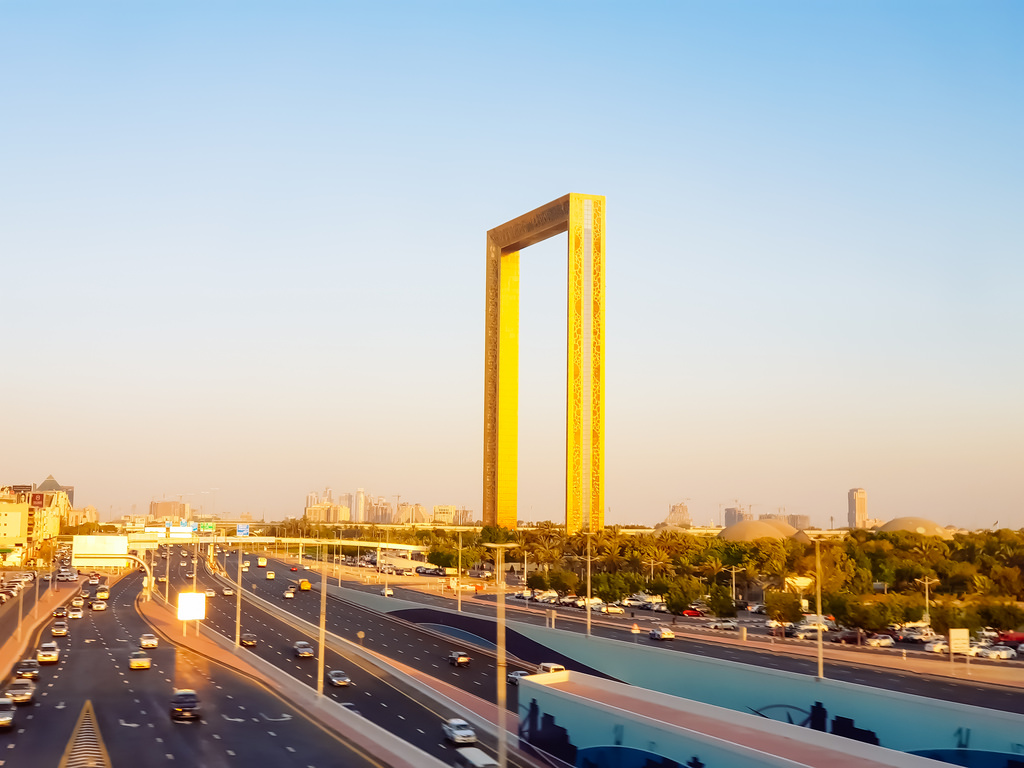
<point>549,666</point>
<point>473,757</point>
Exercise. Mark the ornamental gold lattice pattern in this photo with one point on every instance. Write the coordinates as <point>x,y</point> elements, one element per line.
<point>582,216</point>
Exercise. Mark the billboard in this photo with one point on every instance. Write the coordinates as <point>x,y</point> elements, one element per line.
<point>242,529</point>
<point>191,606</point>
<point>97,551</point>
<point>207,527</point>
<point>180,531</point>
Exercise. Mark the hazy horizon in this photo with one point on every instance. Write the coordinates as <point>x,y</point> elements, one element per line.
<point>244,251</point>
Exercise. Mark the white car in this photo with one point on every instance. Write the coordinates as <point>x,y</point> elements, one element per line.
<point>148,641</point>
<point>211,593</point>
<point>48,653</point>
<point>937,646</point>
<point>515,676</point>
<point>723,624</point>
<point>458,731</point>
<point>880,641</point>
<point>227,592</point>
<point>75,613</point>
<point>289,593</point>
<point>612,609</point>
<point>98,605</point>
<point>662,633</point>
<point>387,592</point>
<point>998,652</point>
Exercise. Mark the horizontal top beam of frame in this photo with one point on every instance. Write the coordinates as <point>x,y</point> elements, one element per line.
<point>539,224</point>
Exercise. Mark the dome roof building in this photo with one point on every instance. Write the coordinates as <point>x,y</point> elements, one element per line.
<point>749,530</point>
<point>919,525</point>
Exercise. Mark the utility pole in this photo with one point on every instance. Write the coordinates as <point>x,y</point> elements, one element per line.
<point>458,577</point>
<point>821,619</point>
<point>733,569</point>
<point>927,583</point>
<point>501,662</point>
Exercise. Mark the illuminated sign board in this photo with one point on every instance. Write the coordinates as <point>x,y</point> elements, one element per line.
<point>191,606</point>
<point>206,527</point>
<point>242,529</point>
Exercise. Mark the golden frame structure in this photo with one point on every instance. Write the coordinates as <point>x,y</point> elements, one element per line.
<point>582,216</point>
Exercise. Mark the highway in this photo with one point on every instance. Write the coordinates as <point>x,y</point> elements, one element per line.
<point>243,723</point>
<point>403,642</point>
<point>375,698</point>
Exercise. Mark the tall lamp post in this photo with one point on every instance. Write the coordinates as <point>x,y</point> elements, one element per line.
<point>500,578</point>
<point>458,578</point>
<point>733,569</point>
<point>927,583</point>
<point>817,597</point>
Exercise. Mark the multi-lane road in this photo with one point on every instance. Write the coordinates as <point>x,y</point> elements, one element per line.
<point>406,643</point>
<point>242,721</point>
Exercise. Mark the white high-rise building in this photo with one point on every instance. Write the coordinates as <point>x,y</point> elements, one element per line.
<point>359,509</point>
<point>857,516</point>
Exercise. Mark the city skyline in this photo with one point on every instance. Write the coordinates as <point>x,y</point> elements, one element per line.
<point>813,275</point>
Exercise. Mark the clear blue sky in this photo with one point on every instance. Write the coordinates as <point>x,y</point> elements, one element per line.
<point>242,249</point>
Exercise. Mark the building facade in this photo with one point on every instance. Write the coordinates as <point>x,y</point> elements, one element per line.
<point>857,515</point>
<point>28,519</point>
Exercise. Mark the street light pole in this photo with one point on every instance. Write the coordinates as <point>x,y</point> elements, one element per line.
<point>588,534</point>
<point>502,665</point>
<point>733,569</point>
<point>458,578</point>
<point>238,602</point>
<point>817,590</point>
<point>927,583</point>
<point>323,633</point>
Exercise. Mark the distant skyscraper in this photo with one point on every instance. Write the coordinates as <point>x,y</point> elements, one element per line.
<point>736,514</point>
<point>359,509</point>
<point>800,522</point>
<point>857,517</point>
<point>679,514</point>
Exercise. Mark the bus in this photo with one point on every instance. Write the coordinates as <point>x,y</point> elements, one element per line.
<point>261,562</point>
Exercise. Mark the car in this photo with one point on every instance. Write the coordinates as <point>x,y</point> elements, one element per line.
<point>246,563</point>
<point>98,605</point>
<point>77,601</point>
<point>387,592</point>
<point>612,609</point>
<point>348,705</point>
<point>148,641</point>
<point>185,705</point>
<point>295,568</point>
<point>227,592</point>
<point>7,712</point>
<point>245,569</point>
<point>211,593</point>
<point>937,646</point>
<point>458,731</point>
<point>28,669</point>
<point>139,660</point>
<point>303,650</point>
<point>722,624</point>
<point>184,563</point>
<point>75,613</point>
<point>289,593</point>
<point>190,574</point>
<point>271,576</point>
<point>161,579</point>
<point>338,678</point>
<point>60,613</point>
<point>660,608</point>
<point>692,612</point>
<point>879,641</point>
<point>515,676</point>
<point>851,636</point>
<point>48,653</point>
<point>59,629</point>
<point>249,639</point>
<point>662,633</point>
<point>20,691</point>
<point>459,659</point>
<point>997,652</point>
